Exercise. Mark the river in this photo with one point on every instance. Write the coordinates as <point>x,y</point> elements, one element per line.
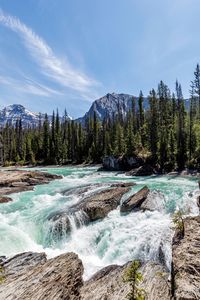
<point>24,224</point>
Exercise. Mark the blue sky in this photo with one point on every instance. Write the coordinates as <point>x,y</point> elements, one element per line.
<point>67,53</point>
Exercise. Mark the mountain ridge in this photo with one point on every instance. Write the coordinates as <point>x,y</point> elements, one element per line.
<point>106,106</point>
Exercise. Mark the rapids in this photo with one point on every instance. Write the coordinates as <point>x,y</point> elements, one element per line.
<point>24,223</point>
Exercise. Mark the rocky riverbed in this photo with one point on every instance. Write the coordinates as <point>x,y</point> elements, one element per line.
<point>119,220</point>
<point>31,276</point>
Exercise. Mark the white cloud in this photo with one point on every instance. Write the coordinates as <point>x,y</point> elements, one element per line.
<point>28,86</point>
<point>52,66</point>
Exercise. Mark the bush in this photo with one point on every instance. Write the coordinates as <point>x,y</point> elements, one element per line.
<point>134,277</point>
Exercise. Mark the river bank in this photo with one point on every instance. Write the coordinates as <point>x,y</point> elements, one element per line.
<point>16,181</point>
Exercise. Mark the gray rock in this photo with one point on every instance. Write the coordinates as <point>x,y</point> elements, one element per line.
<point>100,204</point>
<point>186,261</point>
<point>155,201</point>
<point>145,170</point>
<point>92,208</point>
<point>38,279</point>
<point>108,283</point>
<point>135,201</point>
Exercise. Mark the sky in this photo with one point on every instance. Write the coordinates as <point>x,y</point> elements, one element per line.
<point>67,53</point>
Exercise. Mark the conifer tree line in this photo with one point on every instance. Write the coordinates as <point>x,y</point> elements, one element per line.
<point>166,134</point>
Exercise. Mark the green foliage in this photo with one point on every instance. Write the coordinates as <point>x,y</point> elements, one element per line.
<point>2,277</point>
<point>134,278</point>
<point>178,220</point>
<point>164,133</point>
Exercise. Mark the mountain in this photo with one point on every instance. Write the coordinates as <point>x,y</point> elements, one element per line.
<point>109,104</point>
<point>10,114</point>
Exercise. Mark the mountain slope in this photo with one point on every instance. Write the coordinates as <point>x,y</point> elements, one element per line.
<point>109,105</point>
<point>10,114</point>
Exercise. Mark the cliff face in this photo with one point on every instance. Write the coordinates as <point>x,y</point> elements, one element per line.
<point>186,261</point>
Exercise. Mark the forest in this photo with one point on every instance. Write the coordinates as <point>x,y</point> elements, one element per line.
<point>166,134</point>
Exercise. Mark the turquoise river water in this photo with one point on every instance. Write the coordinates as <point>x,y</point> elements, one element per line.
<point>24,223</point>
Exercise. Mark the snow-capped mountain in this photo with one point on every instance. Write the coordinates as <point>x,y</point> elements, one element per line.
<point>109,105</point>
<point>10,114</point>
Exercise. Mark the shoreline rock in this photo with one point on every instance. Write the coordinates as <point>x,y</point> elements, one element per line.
<point>15,181</point>
<point>31,276</point>
<point>186,261</point>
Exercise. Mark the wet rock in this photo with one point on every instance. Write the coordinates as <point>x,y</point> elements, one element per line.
<point>108,283</point>
<point>198,202</point>
<point>84,189</point>
<point>15,181</point>
<point>100,204</point>
<point>60,225</point>
<point>5,199</point>
<point>121,163</point>
<point>155,201</point>
<point>145,170</point>
<point>186,261</point>
<point>34,277</point>
<point>135,201</point>
<point>92,208</point>
<point>123,184</point>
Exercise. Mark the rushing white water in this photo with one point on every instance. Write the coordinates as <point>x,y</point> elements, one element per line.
<point>25,223</point>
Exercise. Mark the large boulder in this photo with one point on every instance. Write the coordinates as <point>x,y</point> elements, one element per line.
<point>100,204</point>
<point>145,170</point>
<point>108,283</point>
<point>92,208</point>
<point>121,163</point>
<point>30,276</point>
<point>186,261</point>
<point>135,201</point>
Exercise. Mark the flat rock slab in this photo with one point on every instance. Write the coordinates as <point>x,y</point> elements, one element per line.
<point>186,261</point>
<point>30,276</point>
<point>15,181</point>
<point>135,201</point>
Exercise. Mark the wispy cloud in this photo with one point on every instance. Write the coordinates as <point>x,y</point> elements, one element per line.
<point>28,86</point>
<point>59,70</point>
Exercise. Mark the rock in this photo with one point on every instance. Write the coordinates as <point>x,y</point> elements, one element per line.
<point>135,201</point>
<point>123,184</point>
<point>15,181</point>
<point>36,278</point>
<point>156,281</point>
<point>121,163</point>
<point>19,184</point>
<point>155,201</point>
<point>84,189</point>
<point>145,170</point>
<point>21,262</point>
<point>92,208</point>
<point>198,202</point>
<point>100,204</point>
<point>108,283</point>
<point>5,199</point>
<point>60,225</point>
<point>186,261</point>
